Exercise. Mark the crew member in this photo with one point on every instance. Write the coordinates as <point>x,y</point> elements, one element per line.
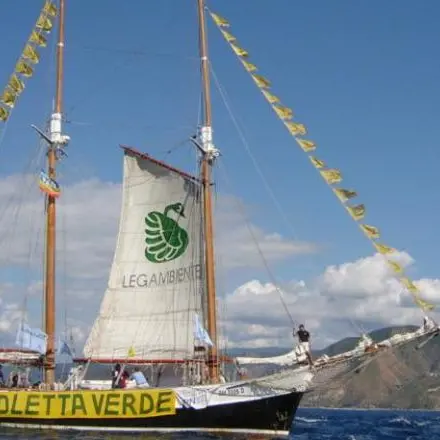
<point>304,341</point>
<point>139,378</point>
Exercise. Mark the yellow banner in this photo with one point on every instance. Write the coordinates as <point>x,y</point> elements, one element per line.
<point>87,404</point>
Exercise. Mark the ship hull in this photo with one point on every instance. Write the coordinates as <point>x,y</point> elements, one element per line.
<point>272,415</point>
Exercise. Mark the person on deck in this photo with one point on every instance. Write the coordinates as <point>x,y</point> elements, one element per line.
<point>14,379</point>
<point>123,379</point>
<point>115,375</point>
<point>139,378</point>
<point>2,377</point>
<point>304,341</point>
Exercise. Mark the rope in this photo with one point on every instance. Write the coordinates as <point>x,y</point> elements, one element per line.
<point>254,238</point>
<point>356,325</point>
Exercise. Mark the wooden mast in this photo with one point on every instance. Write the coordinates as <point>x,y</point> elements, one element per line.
<point>49,366</point>
<point>209,155</point>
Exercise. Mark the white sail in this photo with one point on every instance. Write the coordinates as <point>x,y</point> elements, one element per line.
<point>155,285</point>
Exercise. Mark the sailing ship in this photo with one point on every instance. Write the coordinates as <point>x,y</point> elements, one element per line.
<point>159,308</point>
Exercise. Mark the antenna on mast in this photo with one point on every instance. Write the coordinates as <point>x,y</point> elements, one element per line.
<point>209,154</point>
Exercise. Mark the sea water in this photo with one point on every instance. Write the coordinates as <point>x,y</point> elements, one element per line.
<point>310,424</point>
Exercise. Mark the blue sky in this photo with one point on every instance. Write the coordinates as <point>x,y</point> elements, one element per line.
<point>362,76</point>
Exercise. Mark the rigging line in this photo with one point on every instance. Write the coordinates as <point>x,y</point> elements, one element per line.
<point>357,325</point>
<point>64,263</point>
<point>13,198</point>
<point>246,145</point>
<point>136,52</point>
<point>249,227</point>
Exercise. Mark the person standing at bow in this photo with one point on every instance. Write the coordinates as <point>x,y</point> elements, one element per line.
<point>304,342</point>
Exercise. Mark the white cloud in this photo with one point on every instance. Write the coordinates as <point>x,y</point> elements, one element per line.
<point>239,240</point>
<point>10,316</point>
<point>345,299</point>
<point>88,215</point>
<point>87,224</point>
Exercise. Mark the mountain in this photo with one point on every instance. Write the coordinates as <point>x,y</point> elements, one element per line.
<point>405,377</point>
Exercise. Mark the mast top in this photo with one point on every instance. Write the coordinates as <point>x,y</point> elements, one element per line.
<point>205,135</point>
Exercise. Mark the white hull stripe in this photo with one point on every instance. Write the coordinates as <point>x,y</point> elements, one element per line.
<point>128,429</point>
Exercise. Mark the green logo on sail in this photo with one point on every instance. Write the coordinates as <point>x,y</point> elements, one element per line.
<point>166,240</point>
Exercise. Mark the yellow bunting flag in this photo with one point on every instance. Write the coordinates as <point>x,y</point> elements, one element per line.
<point>357,212</point>
<point>306,145</point>
<point>261,81</point>
<point>397,268</point>
<point>409,285</point>
<point>270,97</point>
<point>4,114</point>
<point>9,98</point>
<point>229,37</point>
<point>24,68</point>
<point>219,21</point>
<point>383,248</point>
<point>44,23</point>
<point>317,162</point>
<point>16,84</point>
<point>249,66</point>
<point>370,231</point>
<point>239,51</point>
<point>331,176</point>
<point>131,352</point>
<point>344,194</point>
<point>38,39</point>
<point>283,112</point>
<point>50,9</point>
<point>31,54</point>
<point>424,305</point>
<point>296,129</point>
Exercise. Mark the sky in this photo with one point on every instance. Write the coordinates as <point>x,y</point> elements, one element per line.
<point>362,76</point>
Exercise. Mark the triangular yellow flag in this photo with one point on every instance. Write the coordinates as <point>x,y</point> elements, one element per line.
<point>318,163</point>
<point>38,39</point>
<point>357,212</point>
<point>409,285</point>
<point>50,9</point>
<point>306,145</point>
<point>331,176</point>
<point>370,231</point>
<point>249,66</point>
<point>24,68</point>
<point>283,112</point>
<point>424,305</point>
<point>344,194</point>
<point>131,352</point>
<point>4,114</point>
<point>297,130</point>
<point>31,54</point>
<point>239,51</point>
<point>219,21</point>
<point>9,97</point>
<point>397,268</point>
<point>261,81</point>
<point>383,248</point>
<point>270,97</point>
<point>16,84</point>
<point>44,23</point>
<point>229,37</point>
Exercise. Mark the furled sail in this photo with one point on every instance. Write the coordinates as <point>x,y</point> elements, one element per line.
<point>155,286</point>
